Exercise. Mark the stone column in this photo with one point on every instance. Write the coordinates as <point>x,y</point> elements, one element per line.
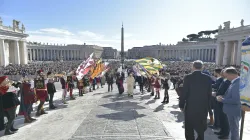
<point>2,53</point>
<point>31,55</point>
<point>234,53</point>
<point>209,54</point>
<point>226,52</point>
<point>219,53</point>
<point>23,52</point>
<point>205,55</point>
<point>15,44</point>
<point>44,56</point>
<point>37,55</point>
<point>213,55</point>
<point>238,51</point>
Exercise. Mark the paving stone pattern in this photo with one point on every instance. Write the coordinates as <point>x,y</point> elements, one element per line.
<point>119,117</point>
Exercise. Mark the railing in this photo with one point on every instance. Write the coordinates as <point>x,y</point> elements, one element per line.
<point>9,28</point>
<point>235,29</point>
<point>195,43</point>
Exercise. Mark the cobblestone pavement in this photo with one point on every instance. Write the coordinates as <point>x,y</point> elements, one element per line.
<point>108,116</point>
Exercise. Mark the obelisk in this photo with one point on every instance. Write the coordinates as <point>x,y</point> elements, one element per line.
<point>122,46</point>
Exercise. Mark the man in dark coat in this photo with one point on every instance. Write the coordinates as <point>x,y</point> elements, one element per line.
<point>141,81</point>
<point>110,81</point>
<point>214,103</point>
<point>196,95</point>
<point>224,124</point>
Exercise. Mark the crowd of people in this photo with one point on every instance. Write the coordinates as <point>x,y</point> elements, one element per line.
<point>31,68</point>
<point>41,89</point>
<point>207,88</point>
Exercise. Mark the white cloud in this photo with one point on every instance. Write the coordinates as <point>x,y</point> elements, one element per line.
<point>61,36</point>
<point>53,31</point>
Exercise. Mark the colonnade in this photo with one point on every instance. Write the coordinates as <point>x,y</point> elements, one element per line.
<point>229,52</point>
<point>207,54</point>
<point>13,51</point>
<point>46,54</point>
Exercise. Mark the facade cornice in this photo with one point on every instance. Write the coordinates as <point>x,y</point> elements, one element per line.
<point>12,38</point>
<point>13,34</point>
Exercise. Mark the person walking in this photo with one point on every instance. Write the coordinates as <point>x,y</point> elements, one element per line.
<point>110,81</point>
<point>130,84</point>
<point>196,95</point>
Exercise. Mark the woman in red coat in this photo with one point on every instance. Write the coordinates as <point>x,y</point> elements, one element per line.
<point>27,100</point>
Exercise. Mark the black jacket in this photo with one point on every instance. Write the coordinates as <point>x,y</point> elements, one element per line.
<point>51,88</point>
<point>63,83</point>
<point>165,84</point>
<point>110,79</point>
<point>196,96</point>
<point>140,79</point>
<point>217,84</point>
<point>2,127</point>
<point>223,88</point>
<point>10,100</point>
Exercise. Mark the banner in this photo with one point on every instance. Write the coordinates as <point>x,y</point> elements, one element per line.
<point>245,73</point>
<point>84,67</point>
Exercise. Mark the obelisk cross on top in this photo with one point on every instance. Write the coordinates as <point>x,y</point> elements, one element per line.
<point>122,45</point>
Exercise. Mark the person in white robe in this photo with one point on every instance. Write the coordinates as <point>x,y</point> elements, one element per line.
<point>130,84</point>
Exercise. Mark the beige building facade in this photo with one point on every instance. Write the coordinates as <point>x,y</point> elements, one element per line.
<point>12,44</point>
<point>204,51</point>
<point>225,49</point>
<point>109,53</point>
<point>46,52</point>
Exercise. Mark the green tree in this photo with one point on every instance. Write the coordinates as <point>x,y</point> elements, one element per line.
<point>192,37</point>
<point>184,40</point>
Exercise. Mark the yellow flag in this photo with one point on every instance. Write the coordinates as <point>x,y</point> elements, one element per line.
<point>99,61</point>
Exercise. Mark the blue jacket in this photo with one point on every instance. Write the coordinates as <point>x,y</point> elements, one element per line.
<point>231,101</point>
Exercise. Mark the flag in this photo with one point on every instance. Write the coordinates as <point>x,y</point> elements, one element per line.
<point>99,61</point>
<point>98,69</point>
<point>105,71</point>
<point>84,67</point>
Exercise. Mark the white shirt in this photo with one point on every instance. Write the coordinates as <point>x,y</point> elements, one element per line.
<point>235,79</point>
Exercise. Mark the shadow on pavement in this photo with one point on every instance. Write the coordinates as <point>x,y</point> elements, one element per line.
<point>159,108</point>
<point>175,106</point>
<point>151,102</point>
<point>145,97</point>
<point>127,105</point>
<point>179,115</point>
<point>127,115</point>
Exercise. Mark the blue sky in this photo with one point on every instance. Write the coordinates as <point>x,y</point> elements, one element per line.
<point>98,22</point>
